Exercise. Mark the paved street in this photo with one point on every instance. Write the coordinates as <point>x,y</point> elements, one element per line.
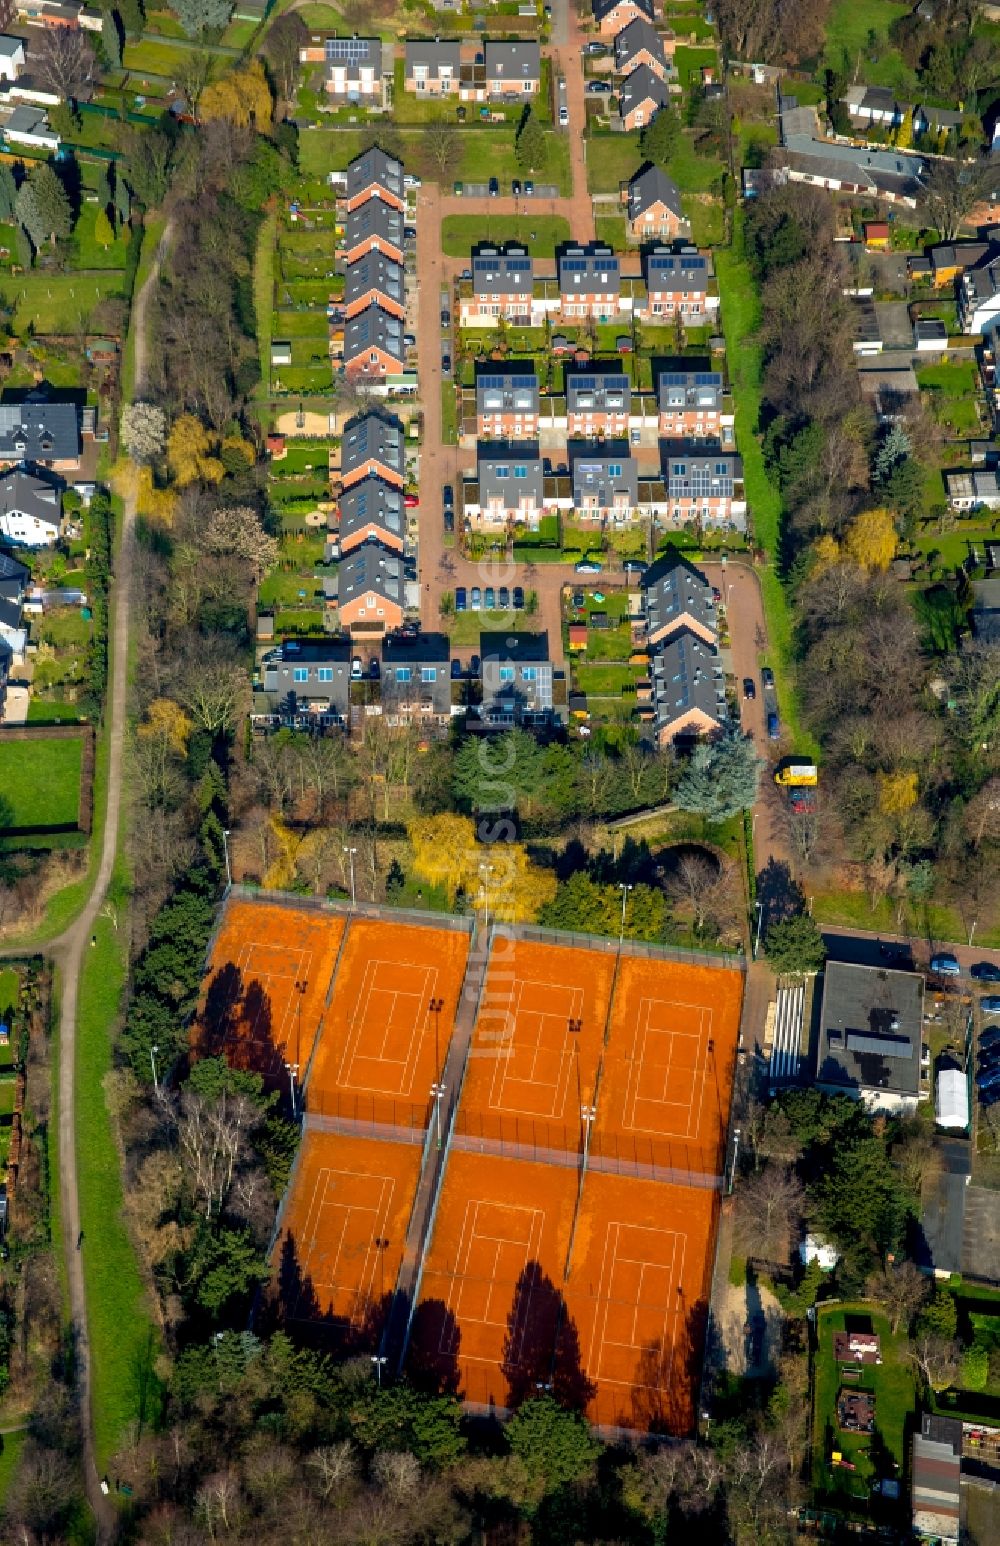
<point>866,949</point>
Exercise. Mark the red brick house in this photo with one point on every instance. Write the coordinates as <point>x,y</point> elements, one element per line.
<point>677,284</point>
<point>689,398</point>
<point>373,345</point>
<point>639,43</point>
<point>506,404</point>
<point>598,402</point>
<point>372,511</point>
<point>372,446</point>
<point>375,175</point>
<point>374,280</point>
<point>612,16</point>
<point>371,590</point>
<point>589,282</point>
<point>654,206</point>
<point>373,227</point>
<point>642,95</point>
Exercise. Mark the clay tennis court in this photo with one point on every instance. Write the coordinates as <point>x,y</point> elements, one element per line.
<point>537,1044</point>
<point>668,1068</point>
<point>385,1034</point>
<point>266,984</point>
<point>343,1232</point>
<point>637,1292</point>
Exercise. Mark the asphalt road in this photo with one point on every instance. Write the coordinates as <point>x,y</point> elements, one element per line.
<point>868,949</point>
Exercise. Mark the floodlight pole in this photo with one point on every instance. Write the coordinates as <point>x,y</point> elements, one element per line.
<point>378,1360</point>
<point>759,908</point>
<point>486,870</point>
<point>154,1049</point>
<point>437,1091</point>
<point>293,1069</point>
<point>352,852</point>
<point>225,850</point>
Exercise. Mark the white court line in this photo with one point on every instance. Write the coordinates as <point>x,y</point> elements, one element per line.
<point>361,1022</point>
<point>315,1232</point>
<point>606,1301</point>
<point>280,1036</point>
<point>469,1237</point>
<point>694,1101</point>
<point>521,1046</point>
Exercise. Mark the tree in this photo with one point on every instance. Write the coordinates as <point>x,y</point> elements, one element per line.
<point>64,61</point>
<point>65,120</point>
<point>285,37</point>
<point>953,188</point>
<point>900,1289</point>
<point>443,147</point>
<point>704,885</point>
<point>582,904</point>
<point>8,192</point>
<point>189,448</point>
<point>103,229</point>
<point>529,146</point>
<point>871,539</point>
<point>661,136</point>
<point>939,1316</point>
<point>795,946</point>
<point>894,448</point>
<point>975,1367</point>
<point>447,854</point>
<point>242,97</point>
<point>222,1265</point>
<point>123,201</point>
<point>29,215</point>
<point>769,1204</point>
<point>721,778</point>
<point>939,1360</point>
<point>143,431</point>
<point>555,1447</point>
<point>239,530</point>
<point>133,17</point>
<point>112,39</point>
<point>198,16</point>
<point>897,792</point>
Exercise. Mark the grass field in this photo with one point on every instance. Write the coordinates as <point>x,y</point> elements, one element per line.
<point>892,1383</point>
<point>611,160</point>
<point>162,58</point>
<point>89,252</point>
<point>851,22</point>
<point>122,1338</point>
<point>11,1445</point>
<point>56,303</point>
<point>41,781</point>
<point>541,233</point>
<point>485,152</point>
<point>263,295</point>
<point>465,627</point>
<point>10,987</point>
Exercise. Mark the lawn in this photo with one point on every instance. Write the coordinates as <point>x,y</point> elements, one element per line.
<point>122,1338</point>
<point>954,394</point>
<point>613,230</point>
<point>465,627</point>
<point>41,781</point>
<point>10,989</point>
<point>611,160</point>
<point>892,1383</point>
<point>606,681</point>
<point>11,1445</point>
<point>851,22</point>
<point>689,62</point>
<point>56,303</point>
<point>693,173</point>
<point>47,711</point>
<point>161,58</point>
<point>89,252</point>
<point>263,295</point>
<point>542,233</point>
<point>941,618</point>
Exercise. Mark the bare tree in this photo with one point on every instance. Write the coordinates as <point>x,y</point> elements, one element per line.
<point>214,693</point>
<point>443,146</point>
<point>705,887</point>
<point>213,1136</point>
<point>335,1468</point>
<point>64,61</point>
<point>900,1289</point>
<point>953,188</point>
<point>938,1359</point>
<point>769,1203</point>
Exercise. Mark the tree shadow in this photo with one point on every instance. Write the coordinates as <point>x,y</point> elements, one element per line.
<point>435,1339</point>
<point>666,1378</point>
<point>779,894</point>
<point>541,1350</point>
<point>237,1024</point>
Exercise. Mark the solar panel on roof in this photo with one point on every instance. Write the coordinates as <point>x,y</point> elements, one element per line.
<point>348,48</point>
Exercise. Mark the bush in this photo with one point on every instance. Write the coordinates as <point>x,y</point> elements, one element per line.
<point>975,1368</point>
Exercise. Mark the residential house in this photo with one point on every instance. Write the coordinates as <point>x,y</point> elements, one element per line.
<point>517,678</point>
<point>690,401</point>
<point>589,282</point>
<point>513,68</point>
<point>936,1479</point>
<point>373,344</point>
<point>14,579</point>
<point>40,430</point>
<point>354,70</point>
<point>6,661</point>
<point>416,679</point>
<point>892,390</point>
<point>871,1026</point>
<point>642,95</point>
<point>509,485</point>
<point>502,286</point>
<point>304,684</point>
<point>949,259</point>
<point>374,227</point>
<point>374,280</point>
<point>676,598</point>
<point>11,57</point>
<point>705,486</point>
<point>654,206</point>
<point>605,483</point>
<point>506,404</point>
<point>375,175</point>
<point>30,510</point>
<point>873,107</point>
<point>29,125</point>
<point>936,121</point>
<point>371,590</point>
<point>598,402</point>
<point>977,490</point>
<point>866,170</point>
<point>978,292</point>
<point>686,691</point>
<point>433,67</point>
<point>985,613</point>
<point>678,284</point>
<point>372,511</point>
<point>613,16</point>
<point>639,44</point>
<point>372,445</point>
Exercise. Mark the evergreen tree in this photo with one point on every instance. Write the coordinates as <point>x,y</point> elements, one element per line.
<point>721,778</point>
<point>53,205</point>
<point>8,193</point>
<point>23,247</point>
<point>795,946</point>
<point>132,16</point>
<point>111,38</point>
<point>529,146</point>
<point>661,136</point>
<point>894,448</point>
<point>29,215</point>
<point>198,16</point>
<point>104,232</point>
<point>123,201</point>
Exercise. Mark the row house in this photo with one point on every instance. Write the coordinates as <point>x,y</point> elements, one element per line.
<point>352,69</point>
<point>598,402</point>
<point>371,590</point>
<point>510,485</point>
<point>375,175</point>
<point>677,284</point>
<point>517,678</point>
<point>706,486</point>
<point>374,280</point>
<point>589,281</point>
<point>416,679</point>
<point>372,511</point>
<point>513,68</point>
<point>372,447</point>
<point>654,207</point>
<point>605,484</point>
<point>612,16</point>
<point>502,285</point>
<point>685,695</point>
<point>641,44</point>
<point>41,431</point>
<point>374,226</point>
<point>978,291</point>
<point>976,490</point>
<point>432,67</point>
<point>507,405</point>
<point>373,345</point>
<point>677,597</point>
<point>304,684</point>
<point>690,401</point>
<point>642,95</point>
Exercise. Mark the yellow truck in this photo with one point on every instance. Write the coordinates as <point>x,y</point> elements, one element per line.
<point>796,773</point>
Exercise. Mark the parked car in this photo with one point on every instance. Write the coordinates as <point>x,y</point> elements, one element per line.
<point>503,598</point>
<point>475,599</point>
<point>773,728</point>
<point>985,971</point>
<point>593,47</point>
<point>989,1036</point>
<point>767,676</point>
<point>578,598</point>
<point>410,340</point>
<point>409,233</point>
<point>448,495</point>
<point>802,799</point>
<point>529,188</point>
<point>494,187</point>
<point>515,187</point>
<point>598,88</point>
<point>489,598</point>
<point>448,517</point>
<point>635,566</point>
<point>411,501</point>
<point>989,1097</point>
<point>461,599</point>
<point>588,566</point>
<point>446,364</point>
<point>563,117</point>
<point>946,965</point>
<point>374,669</point>
<point>474,664</point>
<point>356,668</point>
<point>990,1005</point>
<point>988,1079</point>
<point>749,690</point>
<point>410,180</point>
<point>445,318</point>
<point>518,598</point>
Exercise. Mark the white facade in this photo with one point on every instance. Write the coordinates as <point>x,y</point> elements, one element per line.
<point>11,57</point>
<point>28,531</point>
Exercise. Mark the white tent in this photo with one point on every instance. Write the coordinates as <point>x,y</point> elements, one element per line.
<point>951,1106</point>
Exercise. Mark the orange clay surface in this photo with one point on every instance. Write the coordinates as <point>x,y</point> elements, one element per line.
<point>251,1008</point>
<point>637,1293</point>
<point>381,1045</point>
<point>528,1072</point>
<point>668,1068</point>
<point>348,1195</point>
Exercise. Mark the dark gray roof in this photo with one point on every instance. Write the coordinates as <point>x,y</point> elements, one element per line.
<point>686,384</point>
<point>511,60</point>
<point>652,186</point>
<point>878,99</point>
<point>375,271</point>
<point>599,389</point>
<point>506,391</point>
<point>638,35</point>
<point>10,45</point>
<point>642,86</point>
<point>14,576</point>
<point>374,328</point>
<point>686,674</point>
<point>418,648</point>
<point>373,435</point>
<point>25,495</point>
<point>589,270</point>
<point>672,587</point>
<point>39,431</point>
<point>371,567</point>
<point>870,1029</point>
<point>515,647</point>
<point>432,53</point>
<point>372,499</point>
<point>354,53</point>
<point>940,117</point>
<point>676,268</point>
<point>374,218</point>
<point>373,168</point>
<point>502,271</point>
<point>509,472</point>
<point>606,473</point>
<point>710,474</point>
